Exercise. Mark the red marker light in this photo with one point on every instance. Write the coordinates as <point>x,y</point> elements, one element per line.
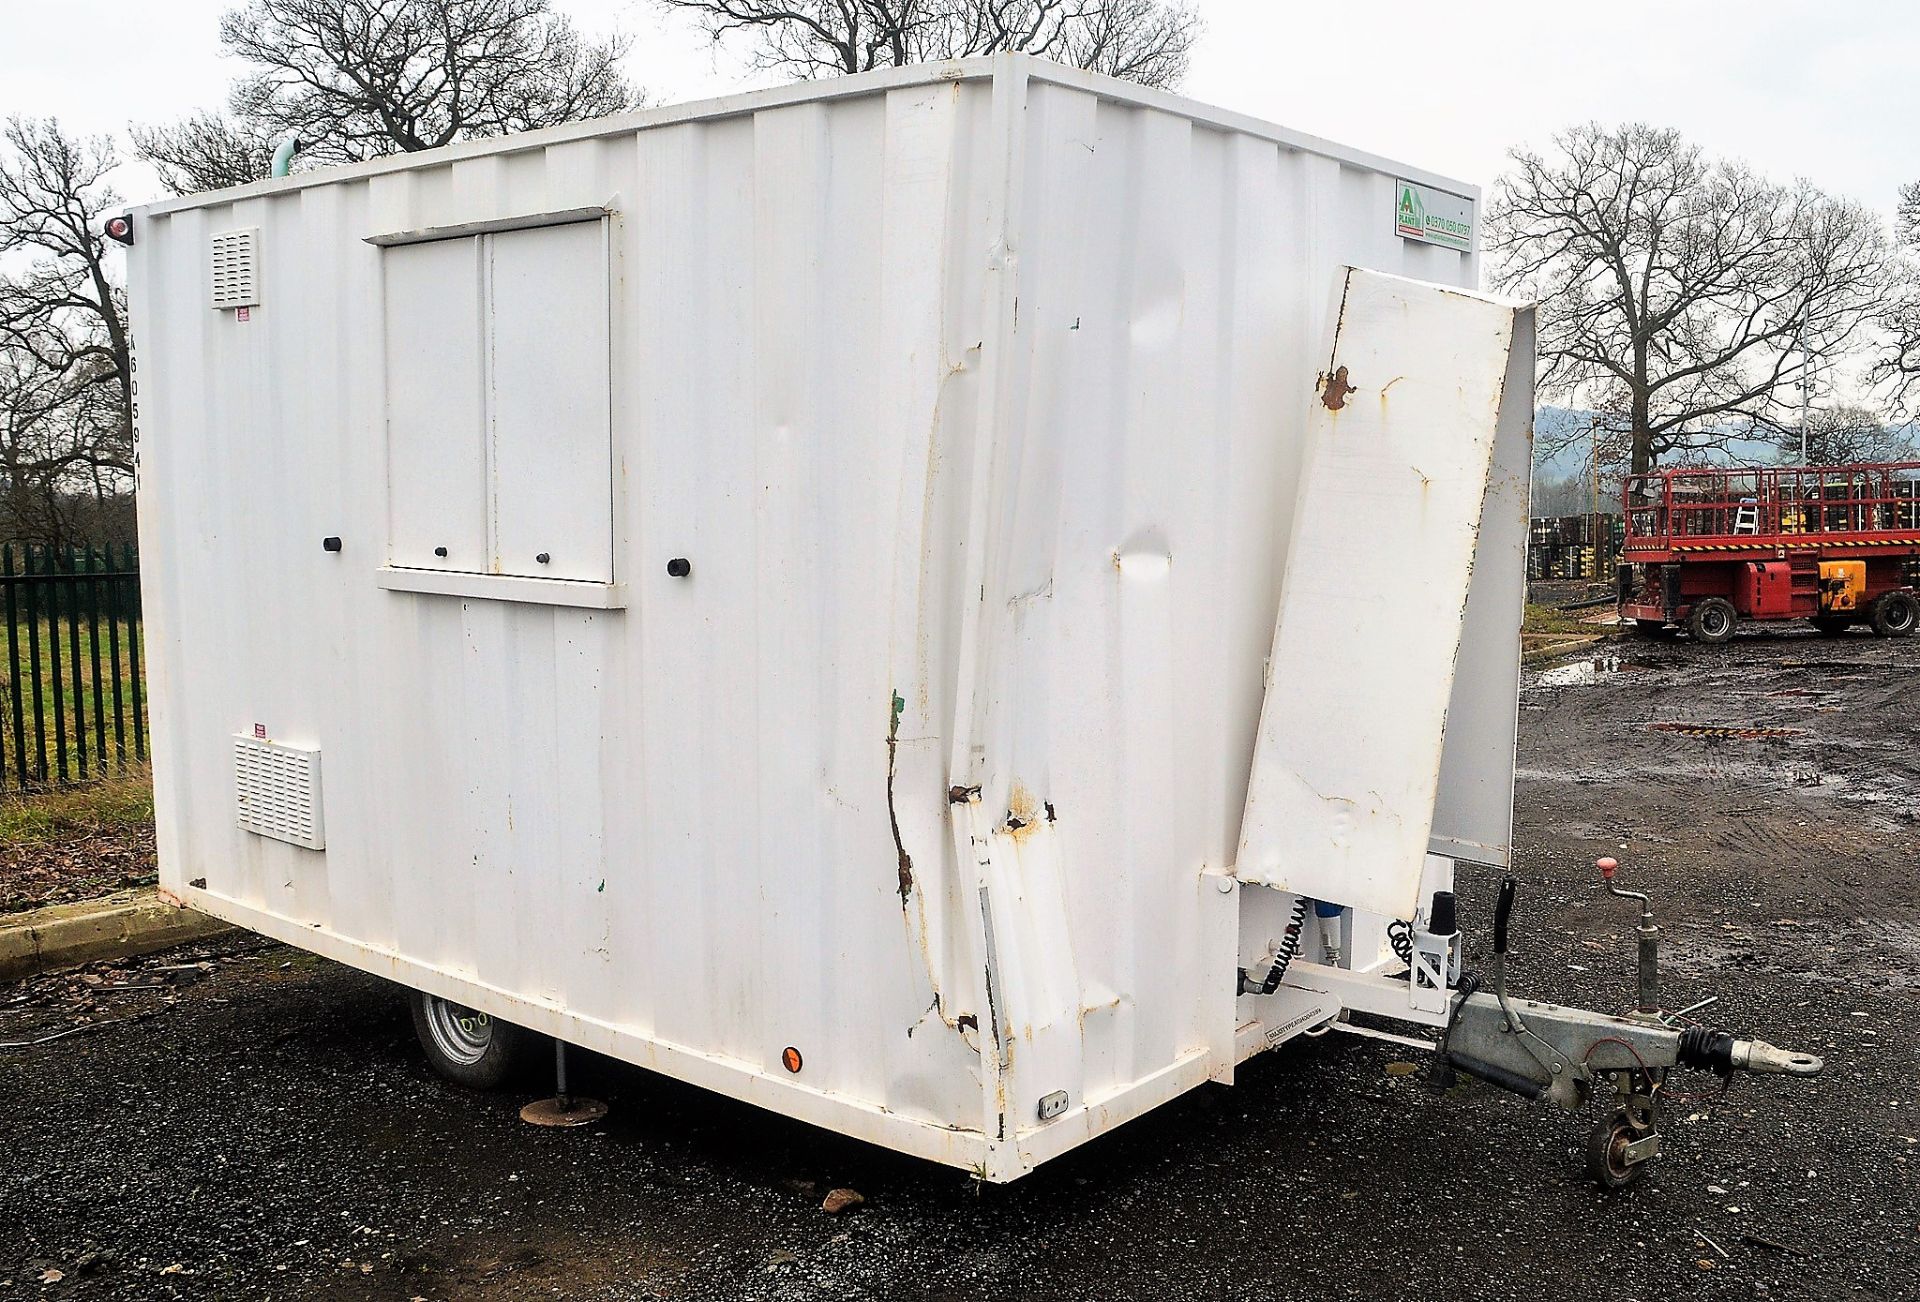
<point>790,1059</point>
<point>120,229</point>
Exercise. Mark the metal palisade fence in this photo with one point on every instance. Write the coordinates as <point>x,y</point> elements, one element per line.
<point>72,698</point>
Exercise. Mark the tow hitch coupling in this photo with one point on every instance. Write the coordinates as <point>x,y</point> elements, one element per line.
<point>1538,1049</point>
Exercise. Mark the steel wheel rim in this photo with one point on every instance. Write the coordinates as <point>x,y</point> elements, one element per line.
<point>1617,1151</point>
<point>1901,617</point>
<point>1715,622</point>
<point>459,1033</point>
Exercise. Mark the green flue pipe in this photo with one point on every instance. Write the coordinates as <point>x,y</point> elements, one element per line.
<point>283,156</point>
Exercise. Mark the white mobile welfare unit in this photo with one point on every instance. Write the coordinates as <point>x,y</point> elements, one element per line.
<point>782,591</point>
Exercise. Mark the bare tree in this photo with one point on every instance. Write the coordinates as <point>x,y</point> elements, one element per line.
<point>1842,435</point>
<point>1148,41</point>
<point>355,79</point>
<point>1683,295</point>
<point>204,151</point>
<point>1899,365</point>
<point>66,423</point>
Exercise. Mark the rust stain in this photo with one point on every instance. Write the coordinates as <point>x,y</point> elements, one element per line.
<point>1336,389</point>
<point>1023,810</point>
<point>1723,731</point>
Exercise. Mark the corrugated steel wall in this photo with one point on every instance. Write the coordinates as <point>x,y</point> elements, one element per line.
<point>679,830</point>
<point>671,818</point>
<point>1175,282</point>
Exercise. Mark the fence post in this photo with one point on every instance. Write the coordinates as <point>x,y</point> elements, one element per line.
<point>33,668</point>
<point>133,662</point>
<point>71,600</point>
<point>113,653</point>
<point>93,649</point>
<point>16,720</point>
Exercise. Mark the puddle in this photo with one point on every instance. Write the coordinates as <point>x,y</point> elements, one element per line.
<point>1583,673</point>
<point>1869,955</point>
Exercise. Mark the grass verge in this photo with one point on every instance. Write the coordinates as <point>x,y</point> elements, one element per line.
<point>120,803</point>
<point>1546,619</point>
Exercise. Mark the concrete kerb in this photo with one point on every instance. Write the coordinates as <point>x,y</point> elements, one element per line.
<point>121,925</point>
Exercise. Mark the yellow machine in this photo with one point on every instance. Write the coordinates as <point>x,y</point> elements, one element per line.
<point>1842,585</point>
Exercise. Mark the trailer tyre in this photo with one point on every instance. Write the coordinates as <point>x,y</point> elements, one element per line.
<point>466,1046</point>
<point>1712,620</point>
<point>1895,613</point>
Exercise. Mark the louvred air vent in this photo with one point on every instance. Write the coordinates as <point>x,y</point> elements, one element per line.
<point>276,791</point>
<point>236,268</point>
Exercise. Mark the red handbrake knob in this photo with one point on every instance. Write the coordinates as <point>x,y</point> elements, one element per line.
<point>1606,867</point>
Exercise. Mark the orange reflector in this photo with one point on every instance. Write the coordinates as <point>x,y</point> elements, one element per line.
<point>790,1058</point>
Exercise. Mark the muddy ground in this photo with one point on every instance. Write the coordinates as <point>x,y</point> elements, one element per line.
<point>264,1127</point>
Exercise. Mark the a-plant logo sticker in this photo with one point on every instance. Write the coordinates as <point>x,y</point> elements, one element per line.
<point>1413,215</point>
<point>1432,216</point>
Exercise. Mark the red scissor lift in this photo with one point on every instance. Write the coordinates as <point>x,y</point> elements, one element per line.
<point>1834,545</point>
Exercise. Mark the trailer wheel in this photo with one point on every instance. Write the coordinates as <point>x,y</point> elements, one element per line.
<point>466,1046</point>
<point>1607,1149</point>
<point>1832,625</point>
<point>1712,620</point>
<point>1894,614</point>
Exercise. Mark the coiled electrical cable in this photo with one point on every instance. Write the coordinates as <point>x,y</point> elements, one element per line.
<point>1284,954</point>
<point>1400,936</point>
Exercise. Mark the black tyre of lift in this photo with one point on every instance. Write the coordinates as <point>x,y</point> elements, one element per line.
<point>1712,620</point>
<point>1894,613</point>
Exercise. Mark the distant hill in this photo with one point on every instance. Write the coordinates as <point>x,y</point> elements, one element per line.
<point>1562,483</point>
<point>1552,424</point>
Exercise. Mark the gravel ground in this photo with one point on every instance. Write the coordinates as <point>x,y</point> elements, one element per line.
<point>261,1124</point>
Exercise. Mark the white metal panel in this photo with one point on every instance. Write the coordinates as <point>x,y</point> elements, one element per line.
<point>972,395</point>
<point>1171,305</point>
<point>547,410</point>
<point>435,386</point>
<point>1399,453</point>
<point>1473,809</point>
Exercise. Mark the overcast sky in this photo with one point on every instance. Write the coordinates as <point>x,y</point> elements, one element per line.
<point>1815,90</point>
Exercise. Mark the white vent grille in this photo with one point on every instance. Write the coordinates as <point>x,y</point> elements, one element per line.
<point>236,268</point>
<point>276,791</point>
